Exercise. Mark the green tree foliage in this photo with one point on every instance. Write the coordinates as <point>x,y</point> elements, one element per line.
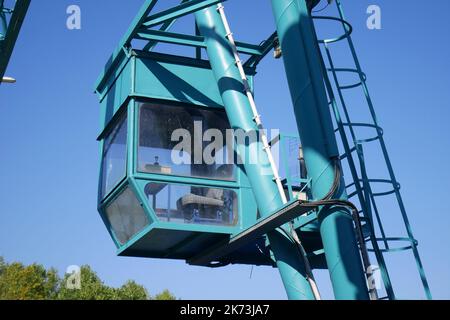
<point>21,282</point>
<point>131,291</point>
<point>165,295</point>
<point>92,288</point>
<point>34,282</point>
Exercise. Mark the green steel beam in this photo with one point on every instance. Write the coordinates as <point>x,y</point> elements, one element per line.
<point>143,19</point>
<point>237,106</point>
<point>119,54</point>
<point>191,40</point>
<point>3,22</point>
<point>265,225</point>
<point>179,11</point>
<point>306,84</point>
<point>11,31</point>
<point>247,48</point>
<point>198,51</point>
<point>265,48</point>
<point>170,37</point>
<point>259,52</point>
<point>139,30</point>
<point>165,27</point>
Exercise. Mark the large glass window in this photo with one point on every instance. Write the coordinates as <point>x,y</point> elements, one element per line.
<point>126,216</point>
<point>190,204</point>
<point>114,156</point>
<point>185,141</point>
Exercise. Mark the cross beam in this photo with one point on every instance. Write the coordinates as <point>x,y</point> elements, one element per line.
<point>288,213</point>
<point>179,11</point>
<point>140,29</point>
<point>191,40</point>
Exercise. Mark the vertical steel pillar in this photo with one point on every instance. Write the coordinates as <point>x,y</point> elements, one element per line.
<point>3,25</point>
<point>306,83</point>
<point>238,109</point>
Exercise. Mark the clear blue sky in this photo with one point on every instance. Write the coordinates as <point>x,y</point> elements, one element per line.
<point>49,154</point>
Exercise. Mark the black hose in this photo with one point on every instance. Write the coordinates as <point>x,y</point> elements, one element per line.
<point>336,182</point>
<point>359,232</point>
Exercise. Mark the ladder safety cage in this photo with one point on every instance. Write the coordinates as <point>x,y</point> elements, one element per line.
<point>362,186</point>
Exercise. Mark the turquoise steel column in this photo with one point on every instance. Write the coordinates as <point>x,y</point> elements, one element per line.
<point>3,25</point>
<point>240,115</point>
<point>306,83</point>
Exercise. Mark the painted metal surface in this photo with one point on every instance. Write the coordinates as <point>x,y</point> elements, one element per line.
<point>239,113</point>
<point>180,81</point>
<point>140,29</point>
<point>146,74</point>
<point>131,76</point>
<point>11,19</point>
<point>303,68</point>
<point>3,22</point>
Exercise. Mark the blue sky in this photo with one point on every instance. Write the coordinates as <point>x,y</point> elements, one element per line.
<point>49,154</point>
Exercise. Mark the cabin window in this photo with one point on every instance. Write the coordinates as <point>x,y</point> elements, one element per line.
<point>185,141</point>
<point>126,216</point>
<point>192,204</point>
<point>114,156</point>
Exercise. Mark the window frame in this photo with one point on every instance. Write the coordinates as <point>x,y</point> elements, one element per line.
<point>236,215</point>
<point>233,182</point>
<point>123,185</point>
<point>120,191</point>
<point>121,114</point>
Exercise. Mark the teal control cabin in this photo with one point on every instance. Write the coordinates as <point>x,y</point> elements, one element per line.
<point>156,208</point>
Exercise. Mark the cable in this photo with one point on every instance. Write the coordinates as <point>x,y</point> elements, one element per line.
<point>308,269</point>
<point>359,232</point>
<point>293,236</point>
<point>337,180</point>
<point>328,200</point>
<point>322,9</point>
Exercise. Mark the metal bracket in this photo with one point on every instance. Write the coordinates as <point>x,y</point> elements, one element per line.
<point>287,213</point>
